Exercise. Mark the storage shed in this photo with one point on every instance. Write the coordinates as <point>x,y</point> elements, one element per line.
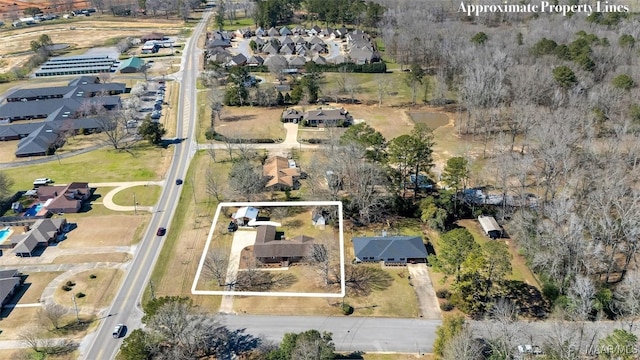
<point>490,226</point>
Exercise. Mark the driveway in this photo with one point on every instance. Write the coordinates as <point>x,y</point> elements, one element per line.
<point>241,239</point>
<point>429,307</point>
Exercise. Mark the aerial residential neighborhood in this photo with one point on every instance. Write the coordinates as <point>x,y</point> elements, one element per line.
<point>319,179</point>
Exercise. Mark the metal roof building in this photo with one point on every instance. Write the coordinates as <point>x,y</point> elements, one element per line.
<point>77,65</point>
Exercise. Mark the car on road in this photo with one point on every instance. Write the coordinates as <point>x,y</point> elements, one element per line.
<point>161,231</point>
<point>179,181</point>
<point>119,331</point>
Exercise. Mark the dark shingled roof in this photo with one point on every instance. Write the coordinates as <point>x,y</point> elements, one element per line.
<point>387,247</point>
<point>267,246</point>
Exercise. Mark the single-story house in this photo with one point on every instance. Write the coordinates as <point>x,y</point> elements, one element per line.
<point>64,199</point>
<point>334,117</point>
<point>390,249</point>
<point>255,60</point>
<point>42,233</point>
<point>280,173</point>
<point>245,214</point>
<point>10,280</point>
<point>292,115</point>
<point>490,226</point>
<point>270,248</point>
<point>131,65</point>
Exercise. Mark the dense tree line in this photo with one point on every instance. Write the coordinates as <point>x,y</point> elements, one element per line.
<point>557,113</point>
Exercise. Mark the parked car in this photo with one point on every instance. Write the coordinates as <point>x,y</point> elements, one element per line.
<point>161,231</point>
<point>119,331</point>
<point>232,226</point>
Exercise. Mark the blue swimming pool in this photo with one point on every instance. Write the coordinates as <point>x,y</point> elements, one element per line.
<point>4,234</point>
<point>33,210</point>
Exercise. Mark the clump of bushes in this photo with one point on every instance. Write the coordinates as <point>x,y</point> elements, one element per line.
<point>80,295</point>
<point>443,294</point>
<point>93,276</point>
<point>446,306</point>
<point>66,288</point>
<point>70,283</point>
<point>346,309</point>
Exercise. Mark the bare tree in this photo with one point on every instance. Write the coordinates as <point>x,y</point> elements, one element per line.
<point>33,337</point>
<point>5,185</point>
<point>113,126</point>
<point>214,186</point>
<point>462,347</point>
<point>383,86</point>
<point>216,265</point>
<point>54,313</point>
<point>324,257</point>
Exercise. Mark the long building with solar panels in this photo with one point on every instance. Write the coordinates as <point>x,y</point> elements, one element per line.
<point>78,65</point>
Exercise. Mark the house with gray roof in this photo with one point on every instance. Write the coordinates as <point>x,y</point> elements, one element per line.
<point>285,31</point>
<point>390,249</point>
<point>327,117</point>
<point>297,62</point>
<point>10,280</point>
<point>273,32</point>
<point>42,233</point>
<point>270,48</point>
<point>255,60</point>
<point>237,60</point>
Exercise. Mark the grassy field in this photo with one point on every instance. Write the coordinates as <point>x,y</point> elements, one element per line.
<point>97,291</point>
<point>251,123</point>
<point>144,195</point>
<point>143,162</point>
<point>184,243</point>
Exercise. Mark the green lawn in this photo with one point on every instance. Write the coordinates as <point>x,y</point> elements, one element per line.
<point>144,195</point>
<point>237,24</point>
<point>103,165</point>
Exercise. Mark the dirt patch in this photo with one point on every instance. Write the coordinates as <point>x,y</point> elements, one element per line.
<point>107,230</point>
<point>433,120</point>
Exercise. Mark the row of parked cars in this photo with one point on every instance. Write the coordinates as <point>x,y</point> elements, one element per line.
<point>157,108</point>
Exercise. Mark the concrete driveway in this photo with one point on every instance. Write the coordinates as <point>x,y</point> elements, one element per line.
<point>429,307</point>
<point>241,239</point>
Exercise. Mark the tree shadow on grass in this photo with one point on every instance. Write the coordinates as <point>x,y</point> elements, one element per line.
<point>361,280</point>
<point>529,299</point>
<point>238,118</point>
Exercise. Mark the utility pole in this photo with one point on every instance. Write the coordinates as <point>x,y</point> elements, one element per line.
<point>73,297</point>
<point>134,204</point>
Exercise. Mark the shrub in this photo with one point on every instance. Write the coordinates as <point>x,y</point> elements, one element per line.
<point>80,295</point>
<point>66,288</point>
<point>210,134</point>
<point>70,283</point>
<point>443,294</point>
<point>346,309</point>
<point>446,306</point>
<point>93,276</point>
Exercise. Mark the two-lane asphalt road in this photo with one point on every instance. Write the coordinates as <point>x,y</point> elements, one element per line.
<point>125,307</point>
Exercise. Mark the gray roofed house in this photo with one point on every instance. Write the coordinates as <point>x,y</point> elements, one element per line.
<point>42,232</point>
<point>260,31</point>
<point>270,48</point>
<point>298,30</point>
<point>285,31</point>
<point>315,30</point>
<point>319,48</point>
<point>10,280</point>
<point>269,249</point>
<point>237,60</point>
<point>214,43</point>
<point>286,40</point>
<point>339,59</point>
<point>255,60</point>
<point>319,59</point>
<point>291,115</point>
<point>259,41</point>
<point>273,32</point>
<point>297,61</point>
<point>301,50</point>
<point>361,55</point>
<point>316,40</point>
<point>276,60</point>
<point>326,117</point>
<point>287,49</point>
<point>390,249</point>
<point>326,32</point>
<point>299,40</point>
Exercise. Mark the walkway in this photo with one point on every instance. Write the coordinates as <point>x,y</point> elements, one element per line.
<point>241,239</point>
<point>108,198</point>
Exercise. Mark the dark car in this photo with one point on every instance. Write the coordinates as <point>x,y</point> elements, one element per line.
<point>161,231</point>
<point>232,227</point>
<point>179,181</point>
<point>119,331</point>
